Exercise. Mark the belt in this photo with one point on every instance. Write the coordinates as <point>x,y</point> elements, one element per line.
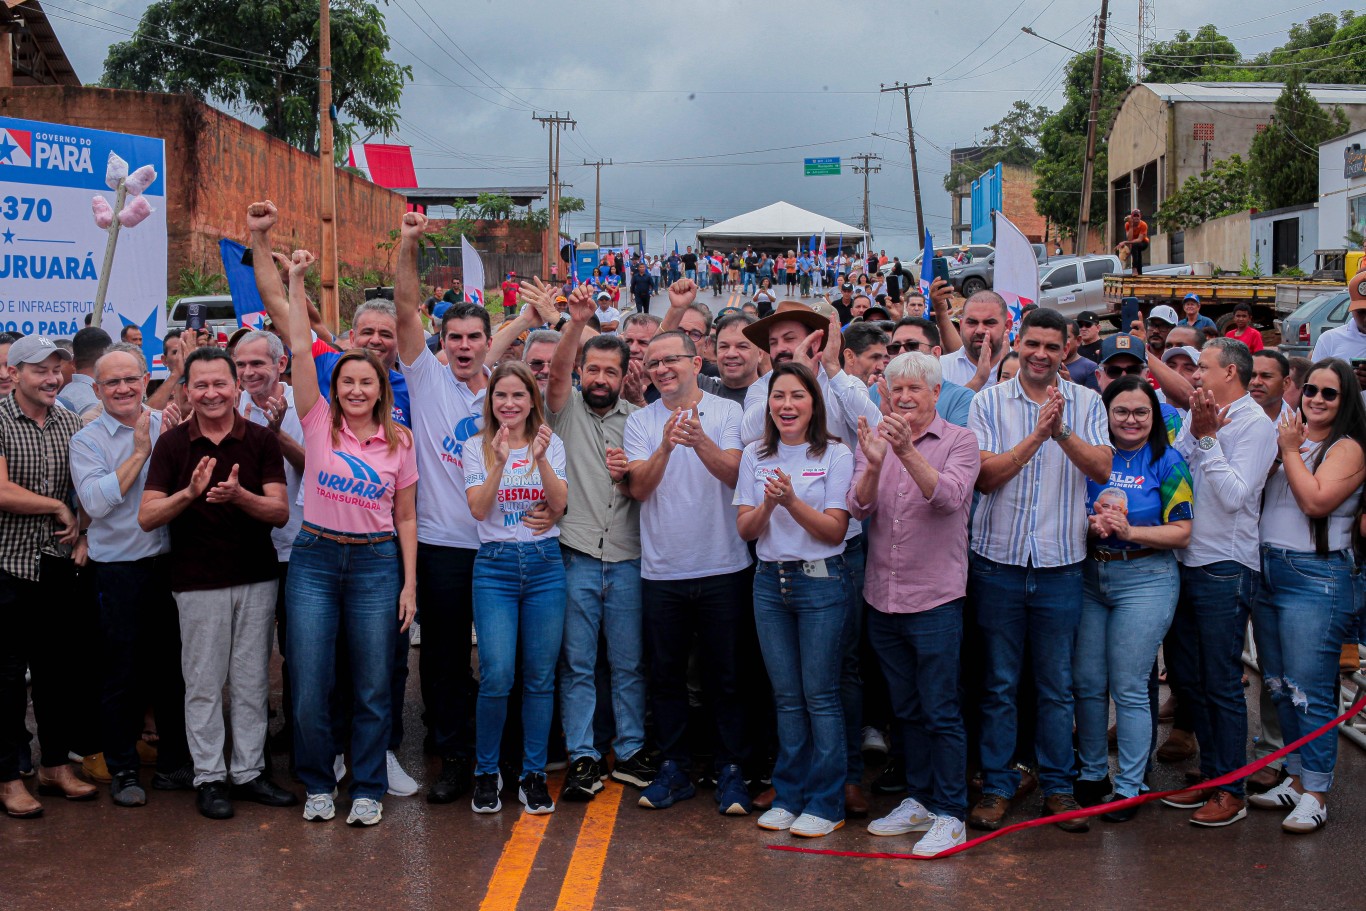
<point>1109,556</point>
<point>347,539</point>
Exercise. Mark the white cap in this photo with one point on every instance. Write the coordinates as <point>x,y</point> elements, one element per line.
<point>1187,350</point>
<point>1164,313</point>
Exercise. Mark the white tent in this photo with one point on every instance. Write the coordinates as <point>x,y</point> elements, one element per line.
<point>780,226</point>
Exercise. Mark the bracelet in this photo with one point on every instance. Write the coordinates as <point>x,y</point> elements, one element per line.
<point>1014,458</point>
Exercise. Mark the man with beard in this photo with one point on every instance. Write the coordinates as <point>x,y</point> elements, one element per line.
<point>1161,320</point>
<point>865,352</point>
<point>737,359</point>
<point>986,322</point>
<point>600,540</point>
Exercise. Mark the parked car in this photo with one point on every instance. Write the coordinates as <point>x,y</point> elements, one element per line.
<point>980,274</point>
<point>1300,330</point>
<point>1071,284</point>
<point>221,316</point>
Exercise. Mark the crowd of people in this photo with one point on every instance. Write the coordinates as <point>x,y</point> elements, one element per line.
<point>734,549</point>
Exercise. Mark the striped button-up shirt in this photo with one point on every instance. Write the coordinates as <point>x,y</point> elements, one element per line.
<point>1037,517</point>
<point>36,458</point>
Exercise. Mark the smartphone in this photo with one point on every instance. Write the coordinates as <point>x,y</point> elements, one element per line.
<point>194,316</point>
<point>940,266</point>
<point>1358,363</point>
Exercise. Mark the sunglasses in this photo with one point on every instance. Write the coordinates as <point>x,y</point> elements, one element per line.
<point>896,348</point>
<point>1114,371</point>
<point>1327,393</point>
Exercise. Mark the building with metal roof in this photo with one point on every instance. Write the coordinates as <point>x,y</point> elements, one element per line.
<point>30,53</point>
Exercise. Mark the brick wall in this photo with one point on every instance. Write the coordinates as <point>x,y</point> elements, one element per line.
<point>215,166</point>
<point>1017,201</point>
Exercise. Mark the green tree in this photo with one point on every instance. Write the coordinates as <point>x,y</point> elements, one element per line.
<point>1014,139</point>
<point>1224,189</point>
<point>1190,58</point>
<point>494,206</point>
<point>1062,142</point>
<point>1284,159</point>
<point>193,47</point>
<point>570,204</point>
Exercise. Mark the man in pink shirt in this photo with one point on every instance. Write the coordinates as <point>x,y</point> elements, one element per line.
<point>913,478</point>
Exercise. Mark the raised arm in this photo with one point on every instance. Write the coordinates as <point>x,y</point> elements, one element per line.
<point>261,218</point>
<point>407,288</point>
<point>304,373</point>
<point>567,351</point>
<point>682,293</point>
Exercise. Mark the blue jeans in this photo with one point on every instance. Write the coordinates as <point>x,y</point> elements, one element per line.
<point>1205,662</point>
<point>851,681</point>
<point>346,590</point>
<point>1042,607</point>
<point>797,617</point>
<point>1126,609</point>
<point>1302,609</point>
<point>690,274</point>
<point>518,594</point>
<point>603,598</point>
<point>919,655</point>
<point>749,281</point>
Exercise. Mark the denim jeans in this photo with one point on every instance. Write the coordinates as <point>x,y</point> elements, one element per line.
<point>603,598</point>
<point>919,654</point>
<point>141,631</point>
<point>445,576</point>
<point>1205,662</point>
<point>1303,606</point>
<point>1126,609</point>
<point>348,590</point>
<point>711,610</point>
<point>851,681</point>
<point>518,605</point>
<point>690,274</point>
<point>749,282</point>
<point>1016,605</point>
<point>797,617</point>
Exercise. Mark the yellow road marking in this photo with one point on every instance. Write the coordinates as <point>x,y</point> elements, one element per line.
<point>519,854</point>
<point>581,881</point>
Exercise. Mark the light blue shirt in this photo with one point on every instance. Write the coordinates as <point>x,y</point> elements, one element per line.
<point>97,451</point>
<point>953,406</point>
<point>79,394</point>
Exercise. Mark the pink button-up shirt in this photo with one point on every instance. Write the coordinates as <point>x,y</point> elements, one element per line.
<point>918,547</point>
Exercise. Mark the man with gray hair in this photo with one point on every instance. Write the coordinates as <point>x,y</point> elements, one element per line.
<point>637,329</point>
<point>537,352</point>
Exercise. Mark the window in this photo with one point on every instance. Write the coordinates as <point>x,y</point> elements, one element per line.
<point>1356,214</point>
<point>1096,269</point>
<point>1061,276</point>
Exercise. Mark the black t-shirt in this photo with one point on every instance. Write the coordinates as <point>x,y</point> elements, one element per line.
<point>752,263</point>
<point>689,260</point>
<point>1090,352</point>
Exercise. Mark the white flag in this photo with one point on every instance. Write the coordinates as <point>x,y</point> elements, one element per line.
<point>1017,270</point>
<point>472,268</point>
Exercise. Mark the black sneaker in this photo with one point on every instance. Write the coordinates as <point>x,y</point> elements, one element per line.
<point>213,800</point>
<point>265,792</point>
<point>892,780</point>
<point>453,781</point>
<point>126,790</point>
<point>182,779</point>
<point>638,770</point>
<point>583,782</point>
<point>486,788</point>
<point>533,795</point>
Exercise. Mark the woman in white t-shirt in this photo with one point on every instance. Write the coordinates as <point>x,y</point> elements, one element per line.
<point>764,298</point>
<point>1304,605</point>
<point>791,493</point>
<point>514,465</point>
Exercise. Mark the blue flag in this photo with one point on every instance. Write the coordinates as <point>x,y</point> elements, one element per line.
<point>675,246</point>
<point>927,269</point>
<point>246,300</point>
<point>812,245</point>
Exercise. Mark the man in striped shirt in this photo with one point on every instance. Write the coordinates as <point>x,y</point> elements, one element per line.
<point>1040,440</point>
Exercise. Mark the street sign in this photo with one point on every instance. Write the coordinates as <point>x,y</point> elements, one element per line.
<point>820,167</point>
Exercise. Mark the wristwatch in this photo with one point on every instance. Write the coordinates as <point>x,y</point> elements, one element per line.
<point>1063,435</point>
<point>1206,443</point>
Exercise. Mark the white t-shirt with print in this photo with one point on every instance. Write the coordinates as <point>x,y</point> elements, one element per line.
<point>820,482</point>
<point>687,526</point>
<point>519,491</point>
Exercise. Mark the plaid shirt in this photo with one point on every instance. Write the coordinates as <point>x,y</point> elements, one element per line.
<point>37,459</point>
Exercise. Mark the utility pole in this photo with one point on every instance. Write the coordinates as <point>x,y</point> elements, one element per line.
<point>597,198</point>
<point>558,196</point>
<point>865,169</point>
<point>327,187</point>
<point>1088,169</point>
<point>905,91</point>
<point>555,122</point>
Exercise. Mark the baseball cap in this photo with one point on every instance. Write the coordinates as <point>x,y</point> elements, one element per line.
<point>1123,343</point>
<point>603,295</point>
<point>1088,316</point>
<point>1356,292</point>
<point>1187,350</point>
<point>1165,314</point>
<point>875,312</point>
<point>34,349</point>
<point>1192,297</point>
<point>846,287</point>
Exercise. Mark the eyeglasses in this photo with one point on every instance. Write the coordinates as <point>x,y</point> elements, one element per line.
<point>1327,393</point>
<point>695,334</point>
<point>538,365</point>
<point>1114,371</point>
<point>896,348</point>
<point>118,381</point>
<point>1085,324</point>
<point>669,360</point>
<point>1137,414</point>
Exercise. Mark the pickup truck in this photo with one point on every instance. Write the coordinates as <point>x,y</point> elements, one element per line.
<point>1268,297</point>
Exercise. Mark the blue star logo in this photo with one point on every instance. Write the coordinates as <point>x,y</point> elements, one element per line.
<point>8,236</point>
<point>152,346</point>
<point>6,149</point>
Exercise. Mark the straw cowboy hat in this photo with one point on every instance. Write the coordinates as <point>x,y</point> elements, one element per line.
<point>815,317</point>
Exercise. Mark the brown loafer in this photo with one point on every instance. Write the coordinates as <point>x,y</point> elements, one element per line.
<point>61,781</point>
<point>1221,809</point>
<point>765,800</point>
<point>1188,800</point>
<point>855,803</point>
<point>989,813</point>
<point>1263,780</point>
<point>18,802</point>
<point>1179,746</point>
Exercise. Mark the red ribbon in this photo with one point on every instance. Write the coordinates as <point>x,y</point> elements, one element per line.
<point>1087,812</point>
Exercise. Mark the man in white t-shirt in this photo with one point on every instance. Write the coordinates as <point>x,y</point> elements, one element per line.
<point>683,454</point>
<point>609,317</point>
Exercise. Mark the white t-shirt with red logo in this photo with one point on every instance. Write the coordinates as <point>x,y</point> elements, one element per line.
<point>519,491</point>
<point>821,482</point>
<point>349,486</point>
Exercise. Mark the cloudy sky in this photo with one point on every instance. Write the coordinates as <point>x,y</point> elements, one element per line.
<point>708,108</point>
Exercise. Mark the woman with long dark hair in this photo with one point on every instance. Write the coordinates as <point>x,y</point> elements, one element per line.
<point>1129,590</point>
<point>791,496</point>
<point>354,559</point>
<point>512,466</point>
<point>1304,603</point>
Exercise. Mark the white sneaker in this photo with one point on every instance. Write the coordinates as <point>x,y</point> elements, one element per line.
<point>1281,797</point>
<point>365,811</point>
<point>946,833</point>
<point>874,741</point>
<point>777,820</point>
<point>319,807</point>
<point>401,784</point>
<point>1308,816</point>
<point>415,635</point>
<point>339,767</point>
<point>910,816</point>
<point>809,826</point>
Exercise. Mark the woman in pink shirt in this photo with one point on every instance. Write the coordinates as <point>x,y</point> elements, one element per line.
<point>354,560</point>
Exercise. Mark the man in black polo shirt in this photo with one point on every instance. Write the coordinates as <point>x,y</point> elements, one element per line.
<point>219,482</point>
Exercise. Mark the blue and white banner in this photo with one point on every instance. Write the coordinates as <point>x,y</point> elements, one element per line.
<point>51,250</point>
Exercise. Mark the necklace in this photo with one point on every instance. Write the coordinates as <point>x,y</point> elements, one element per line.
<point>1128,460</point>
